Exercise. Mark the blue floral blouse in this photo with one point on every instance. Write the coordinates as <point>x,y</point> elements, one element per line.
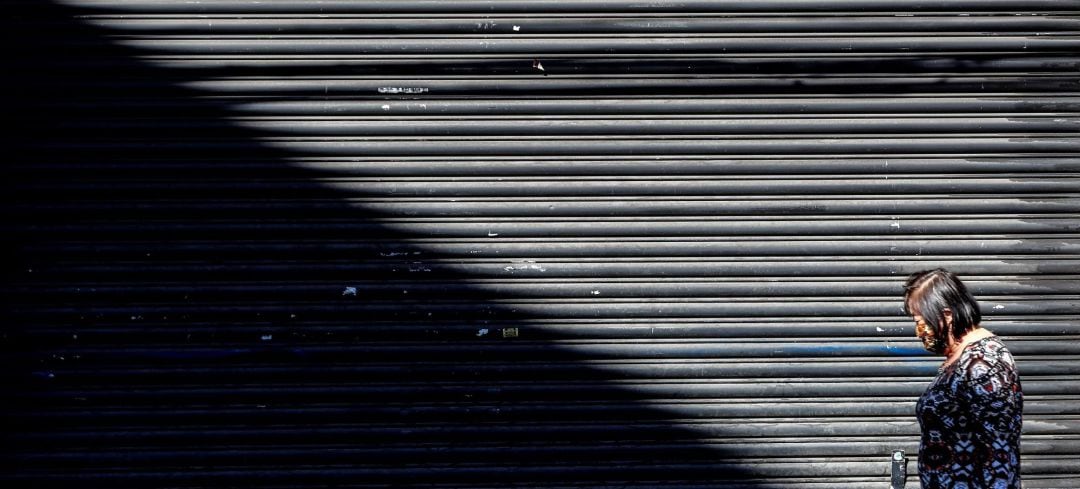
<point>971,417</point>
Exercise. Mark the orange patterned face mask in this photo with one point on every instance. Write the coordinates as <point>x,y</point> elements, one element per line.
<point>930,341</point>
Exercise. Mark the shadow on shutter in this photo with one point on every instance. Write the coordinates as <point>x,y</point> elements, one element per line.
<point>496,244</point>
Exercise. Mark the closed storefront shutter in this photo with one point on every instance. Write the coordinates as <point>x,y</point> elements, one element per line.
<point>524,243</point>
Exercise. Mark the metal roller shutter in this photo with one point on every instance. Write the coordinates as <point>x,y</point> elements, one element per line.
<point>479,244</point>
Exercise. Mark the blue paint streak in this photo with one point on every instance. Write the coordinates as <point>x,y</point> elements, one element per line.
<point>907,351</point>
<point>853,350</point>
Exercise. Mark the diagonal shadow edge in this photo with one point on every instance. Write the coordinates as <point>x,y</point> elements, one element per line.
<point>222,350</point>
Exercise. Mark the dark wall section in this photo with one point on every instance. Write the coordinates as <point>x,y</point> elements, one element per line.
<point>523,244</point>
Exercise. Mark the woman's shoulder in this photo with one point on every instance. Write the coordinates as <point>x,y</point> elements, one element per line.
<point>986,360</point>
<point>990,346</point>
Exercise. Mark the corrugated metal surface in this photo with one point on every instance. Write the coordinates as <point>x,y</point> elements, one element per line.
<point>524,243</point>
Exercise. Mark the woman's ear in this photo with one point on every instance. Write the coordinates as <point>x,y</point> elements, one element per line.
<point>947,313</point>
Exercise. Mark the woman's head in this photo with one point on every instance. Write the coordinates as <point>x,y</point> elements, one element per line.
<point>942,307</point>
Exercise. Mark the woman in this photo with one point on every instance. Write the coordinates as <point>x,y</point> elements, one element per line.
<point>972,413</point>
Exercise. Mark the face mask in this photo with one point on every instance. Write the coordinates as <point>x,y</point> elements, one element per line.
<point>932,343</point>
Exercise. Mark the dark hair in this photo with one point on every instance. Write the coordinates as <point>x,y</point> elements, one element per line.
<point>930,292</point>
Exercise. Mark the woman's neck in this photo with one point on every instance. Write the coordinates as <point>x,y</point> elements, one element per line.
<point>953,351</point>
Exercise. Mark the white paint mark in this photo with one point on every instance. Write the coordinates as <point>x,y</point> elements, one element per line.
<point>386,107</point>
<point>879,330</point>
<point>896,223</point>
<point>999,307</point>
<point>267,337</point>
<point>492,235</point>
<point>406,90</point>
<point>482,332</point>
<point>526,265</point>
<point>349,291</point>
<point>596,292</point>
<point>517,28</point>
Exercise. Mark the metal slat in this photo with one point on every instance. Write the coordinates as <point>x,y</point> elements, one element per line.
<point>563,207</point>
<point>940,247</point>
<point>374,24</point>
<point>610,46</point>
<point>535,7</point>
<point>165,330</point>
<point>68,375</point>
<point>552,289</point>
<point>392,109</point>
<point>680,85</point>
<point>527,147</point>
<point>360,166</point>
<point>689,188</point>
<point>653,126</point>
<point>130,416</point>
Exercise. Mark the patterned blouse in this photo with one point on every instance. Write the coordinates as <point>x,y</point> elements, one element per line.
<point>971,417</point>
